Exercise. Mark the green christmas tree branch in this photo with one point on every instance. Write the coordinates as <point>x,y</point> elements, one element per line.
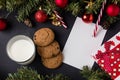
<point>25,73</point>
<point>50,6</point>
<point>109,20</point>
<point>90,74</point>
<point>2,4</point>
<point>97,5</point>
<point>27,9</point>
<point>74,8</point>
<point>12,5</point>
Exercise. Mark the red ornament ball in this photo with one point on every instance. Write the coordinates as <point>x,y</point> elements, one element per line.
<point>3,24</point>
<point>40,16</point>
<point>61,3</point>
<point>113,10</point>
<point>87,18</point>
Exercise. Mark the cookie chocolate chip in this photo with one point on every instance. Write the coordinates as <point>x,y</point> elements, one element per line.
<point>48,48</point>
<point>53,62</point>
<point>49,51</point>
<point>43,37</point>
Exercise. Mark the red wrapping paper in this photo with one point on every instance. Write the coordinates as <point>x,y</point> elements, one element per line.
<point>109,58</point>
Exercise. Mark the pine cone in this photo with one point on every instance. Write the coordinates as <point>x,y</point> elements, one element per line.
<point>105,25</point>
<point>28,22</point>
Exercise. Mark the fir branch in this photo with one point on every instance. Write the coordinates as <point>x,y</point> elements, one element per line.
<point>27,9</point>
<point>2,4</point>
<point>95,7</point>
<point>50,7</point>
<point>75,7</point>
<point>11,5</point>
<point>115,1</point>
<point>25,73</point>
<point>110,20</point>
<point>90,74</point>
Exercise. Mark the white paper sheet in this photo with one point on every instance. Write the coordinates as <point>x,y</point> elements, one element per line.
<point>80,44</point>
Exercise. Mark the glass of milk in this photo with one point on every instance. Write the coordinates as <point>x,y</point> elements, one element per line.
<point>21,49</point>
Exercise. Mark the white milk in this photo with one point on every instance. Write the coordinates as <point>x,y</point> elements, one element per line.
<point>21,50</point>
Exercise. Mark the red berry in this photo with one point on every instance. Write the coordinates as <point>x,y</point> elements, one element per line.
<point>3,24</point>
<point>40,16</point>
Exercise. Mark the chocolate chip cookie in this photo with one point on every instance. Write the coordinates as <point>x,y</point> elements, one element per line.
<point>53,62</point>
<point>49,51</point>
<point>43,37</point>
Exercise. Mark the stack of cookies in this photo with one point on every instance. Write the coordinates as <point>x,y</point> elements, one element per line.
<point>48,48</point>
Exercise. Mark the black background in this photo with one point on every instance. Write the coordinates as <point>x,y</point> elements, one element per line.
<point>61,35</point>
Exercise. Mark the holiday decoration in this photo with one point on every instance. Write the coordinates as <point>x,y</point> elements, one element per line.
<point>59,19</point>
<point>27,73</point>
<point>55,20</point>
<point>113,10</point>
<point>3,24</point>
<point>40,16</point>
<point>25,8</point>
<point>108,57</point>
<point>87,18</point>
<point>32,74</point>
<point>99,18</point>
<point>61,3</point>
<point>2,4</point>
<point>94,74</point>
<point>56,23</point>
<point>89,6</point>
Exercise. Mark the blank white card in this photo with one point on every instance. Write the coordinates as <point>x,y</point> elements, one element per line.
<point>81,44</point>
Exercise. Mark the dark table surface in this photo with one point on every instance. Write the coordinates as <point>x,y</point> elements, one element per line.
<point>61,35</point>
